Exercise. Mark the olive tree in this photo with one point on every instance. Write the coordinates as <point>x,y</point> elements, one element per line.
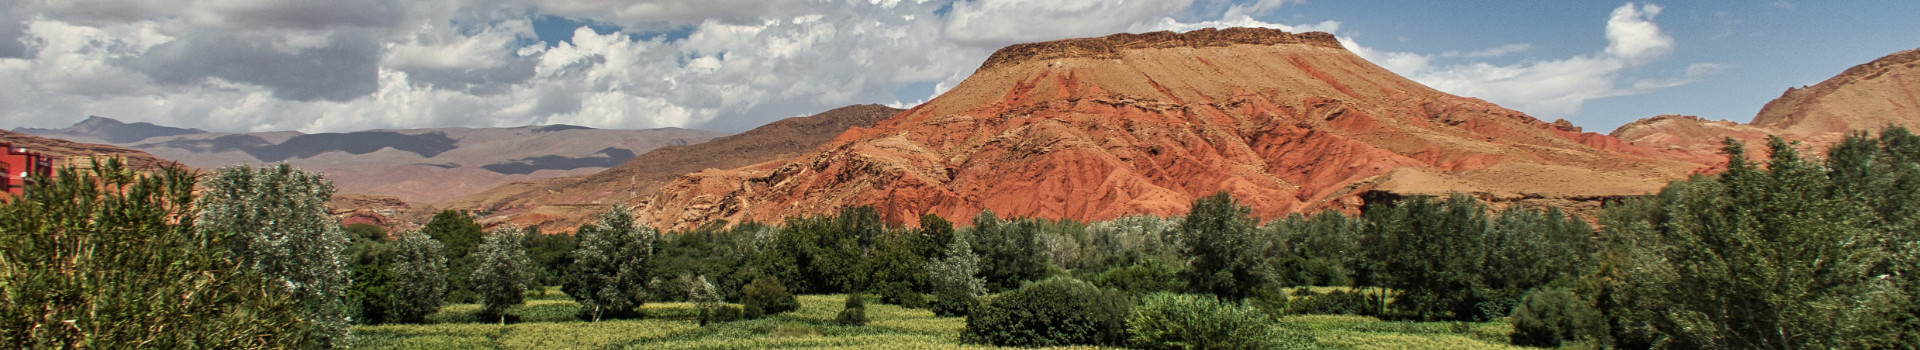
<point>421,263</point>
<point>501,272</point>
<point>279,226</point>
<point>610,268</point>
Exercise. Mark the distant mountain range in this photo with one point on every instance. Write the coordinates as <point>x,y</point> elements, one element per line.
<point>420,166</point>
<point>563,203</point>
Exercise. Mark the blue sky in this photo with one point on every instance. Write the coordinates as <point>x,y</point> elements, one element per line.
<point>729,65</point>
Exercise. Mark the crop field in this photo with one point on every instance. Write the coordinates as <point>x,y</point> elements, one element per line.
<point>548,323</point>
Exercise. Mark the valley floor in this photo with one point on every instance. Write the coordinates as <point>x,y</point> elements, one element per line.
<point>548,323</point>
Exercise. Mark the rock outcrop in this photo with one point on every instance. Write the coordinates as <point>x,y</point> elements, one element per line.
<point>1092,129</point>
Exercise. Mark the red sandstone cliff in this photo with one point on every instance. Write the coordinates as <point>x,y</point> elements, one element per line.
<point>1093,129</point>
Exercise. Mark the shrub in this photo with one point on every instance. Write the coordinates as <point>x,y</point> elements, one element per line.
<point>1548,317</point>
<point>766,296</point>
<point>855,314</point>
<point>1055,312</point>
<point>953,303</point>
<point>1175,321</point>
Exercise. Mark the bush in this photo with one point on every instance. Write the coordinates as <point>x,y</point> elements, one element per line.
<point>952,303</point>
<point>1175,321</point>
<point>1549,317</point>
<point>766,296</point>
<point>856,312</point>
<point>1055,312</point>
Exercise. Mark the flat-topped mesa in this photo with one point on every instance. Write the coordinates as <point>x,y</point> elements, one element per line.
<point>1109,47</point>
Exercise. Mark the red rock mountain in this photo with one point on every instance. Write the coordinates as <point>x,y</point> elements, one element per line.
<point>1866,97</point>
<point>1097,128</point>
<point>563,203</point>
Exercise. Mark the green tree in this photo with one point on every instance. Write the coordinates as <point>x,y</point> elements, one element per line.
<point>766,296</point>
<point>460,234</point>
<point>422,263</point>
<point>1224,257</point>
<point>704,298</point>
<point>1059,311</point>
<point>279,224</point>
<point>610,268</point>
<point>1755,259</point>
<point>855,312</point>
<point>106,257</point>
<point>955,279</point>
<point>368,298</point>
<point>1010,251</point>
<point>502,272</point>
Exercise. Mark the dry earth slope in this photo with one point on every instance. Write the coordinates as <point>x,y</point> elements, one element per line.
<point>1866,97</point>
<point>563,203</point>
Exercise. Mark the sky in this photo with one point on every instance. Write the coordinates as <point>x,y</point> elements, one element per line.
<point>731,65</point>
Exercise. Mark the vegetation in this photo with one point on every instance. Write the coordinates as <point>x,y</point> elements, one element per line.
<point>460,235</point>
<point>277,224</point>
<point>766,296</point>
<point>610,269</point>
<point>502,273</point>
<point>421,261</point>
<point>1055,312</point>
<point>1791,252</point>
<point>1175,321</point>
<point>854,314</point>
<point>107,257</point>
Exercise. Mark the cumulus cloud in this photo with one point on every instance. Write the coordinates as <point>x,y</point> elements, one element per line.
<point>1551,88</point>
<point>728,65</point>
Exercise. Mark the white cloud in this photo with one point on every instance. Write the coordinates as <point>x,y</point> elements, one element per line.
<point>316,66</point>
<point>1552,88</point>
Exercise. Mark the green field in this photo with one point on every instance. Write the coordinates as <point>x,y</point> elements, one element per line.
<point>548,324</point>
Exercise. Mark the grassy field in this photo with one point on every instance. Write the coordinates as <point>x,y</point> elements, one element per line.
<point>548,324</point>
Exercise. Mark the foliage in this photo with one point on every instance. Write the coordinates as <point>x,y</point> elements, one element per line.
<point>1549,317</point>
<point>1785,257</point>
<point>954,279</point>
<point>1306,301</point>
<point>766,296</point>
<point>898,269</point>
<point>1225,258</point>
<point>369,299</point>
<point>552,254</point>
<point>106,257</point>
<point>460,235</point>
<point>421,262</point>
<point>1178,321</point>
<point>1146,276</point>
<point>277,218</point>
<point>1009,251</point>
<point>609,270</point>
<point>502,272</point>
<point>855,313</point>
<point>705,298</point>
<point>1057,311</point>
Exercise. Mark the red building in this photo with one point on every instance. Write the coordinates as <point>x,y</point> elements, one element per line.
<point>19,167</point>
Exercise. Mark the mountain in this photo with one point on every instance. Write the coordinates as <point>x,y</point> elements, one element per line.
<point>108,130</point>
<point>1096,128</point>
<point>565,202</point>
<point>67,152</point>
<point>419,166</point>
<point>1865,97</point>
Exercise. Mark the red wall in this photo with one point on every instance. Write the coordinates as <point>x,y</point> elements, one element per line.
<point>34,164</point>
